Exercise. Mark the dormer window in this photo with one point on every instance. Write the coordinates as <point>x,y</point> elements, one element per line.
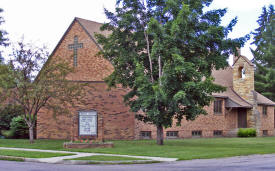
<point>241,72</point>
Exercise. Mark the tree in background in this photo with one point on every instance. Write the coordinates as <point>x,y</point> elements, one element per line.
<point>49,89</point>
<point>3,33</point>
<point>264,54</point>
<point>164,51</point>
<point>7,113</point>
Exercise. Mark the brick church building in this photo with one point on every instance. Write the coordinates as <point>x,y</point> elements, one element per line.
<point>104,116</point>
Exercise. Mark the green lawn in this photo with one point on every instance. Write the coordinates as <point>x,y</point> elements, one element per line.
<point>107,158</point>
<point>30,154</point>
<point>183,149</point>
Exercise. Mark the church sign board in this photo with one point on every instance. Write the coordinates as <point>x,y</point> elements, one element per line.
<point>87,123</point>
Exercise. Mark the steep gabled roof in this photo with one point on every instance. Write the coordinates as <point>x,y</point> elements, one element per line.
<point>262,100</point>
<point>92,27</point>
<point>245,58</point>
<point>225,78</point>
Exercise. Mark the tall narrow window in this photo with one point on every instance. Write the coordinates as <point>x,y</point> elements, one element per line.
<point>264,110</point>
<point>241,72</point>
<point>217,106</point>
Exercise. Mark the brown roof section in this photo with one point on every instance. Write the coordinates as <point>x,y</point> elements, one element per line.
<point>262,100</point>
<point>92,27</point>
<point>232,95</point>
<point>225,78</point>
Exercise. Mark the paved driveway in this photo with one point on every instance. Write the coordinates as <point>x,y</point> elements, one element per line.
<point>249,163</point>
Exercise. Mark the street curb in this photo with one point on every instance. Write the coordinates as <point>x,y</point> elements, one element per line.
<point>84,162</point>
<point>12,158</point>
<point>80,162</point>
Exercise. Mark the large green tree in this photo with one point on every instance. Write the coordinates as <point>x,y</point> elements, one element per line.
<point>264,54</point>
<point>164,51</point>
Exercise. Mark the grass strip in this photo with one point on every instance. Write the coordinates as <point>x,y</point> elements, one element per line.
<point>31,154</point>
<point>184,149</point>
<point>11,158</point>
<point>107,158</point>
<point>126,162</point>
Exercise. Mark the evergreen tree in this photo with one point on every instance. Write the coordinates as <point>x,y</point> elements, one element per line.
<point>164,51</point>
<point>264,54</point>
<point>3,39</point>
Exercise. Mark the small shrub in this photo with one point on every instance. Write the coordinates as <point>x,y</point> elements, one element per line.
<point>19,127</point>
<point>247,132</point>
<point>6,115</point>
<point>7,133</point>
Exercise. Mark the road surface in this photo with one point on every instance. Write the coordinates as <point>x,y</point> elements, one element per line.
<point>249,163</point>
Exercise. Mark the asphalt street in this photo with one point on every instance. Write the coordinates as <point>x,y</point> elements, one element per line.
<point>246,163</point>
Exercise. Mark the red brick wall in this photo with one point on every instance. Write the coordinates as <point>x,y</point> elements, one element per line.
<point>267,121</point>
<point>113,115</point>
<point>90,66</point>
<point>205,123</point>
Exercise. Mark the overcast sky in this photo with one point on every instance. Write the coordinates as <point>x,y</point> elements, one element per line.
<point>43,22</point>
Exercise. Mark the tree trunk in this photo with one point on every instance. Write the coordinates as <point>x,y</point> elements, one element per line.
<point>159,135</point>
<point>31,134</point>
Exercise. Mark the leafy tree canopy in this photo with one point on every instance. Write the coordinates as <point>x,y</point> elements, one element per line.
<point>164,51</point>
<point>264,54</point>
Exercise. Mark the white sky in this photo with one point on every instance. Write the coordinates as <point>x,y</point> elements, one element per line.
<point>43,22</point>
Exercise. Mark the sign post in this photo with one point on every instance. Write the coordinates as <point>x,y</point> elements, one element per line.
<point>87,123</point>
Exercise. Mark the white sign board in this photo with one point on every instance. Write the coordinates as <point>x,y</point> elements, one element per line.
<point>87,123</point>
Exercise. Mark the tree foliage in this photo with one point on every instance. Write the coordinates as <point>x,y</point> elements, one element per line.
<point>3,33</point>
<point>49,90</point>
<point>7,113</point>
<point>164,51</point>
<point>264,54</point>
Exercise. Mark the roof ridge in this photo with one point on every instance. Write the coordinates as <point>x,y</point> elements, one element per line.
<point>78,18</point>
<point>245,58</point>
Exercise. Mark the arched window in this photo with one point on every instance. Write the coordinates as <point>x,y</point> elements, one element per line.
<point>241,72</point>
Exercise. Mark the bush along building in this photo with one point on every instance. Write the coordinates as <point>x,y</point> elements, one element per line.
<point>104,116</point>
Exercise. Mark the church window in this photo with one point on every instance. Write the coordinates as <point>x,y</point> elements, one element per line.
<point>217,133</point>
<point>172,134</point>
<point>265,133</point>
<point>196,133</point>
<point>145,134</point>
<point>217,106</point>
<point>264,110</point>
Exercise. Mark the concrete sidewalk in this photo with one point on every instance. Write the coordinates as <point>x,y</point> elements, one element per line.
<point>81,154</point>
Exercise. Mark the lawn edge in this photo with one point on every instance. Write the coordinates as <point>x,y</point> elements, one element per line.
<point>86,162</point>
<point>12,158</point>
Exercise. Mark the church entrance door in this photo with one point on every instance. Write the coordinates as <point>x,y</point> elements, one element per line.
<point>242,118</point>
